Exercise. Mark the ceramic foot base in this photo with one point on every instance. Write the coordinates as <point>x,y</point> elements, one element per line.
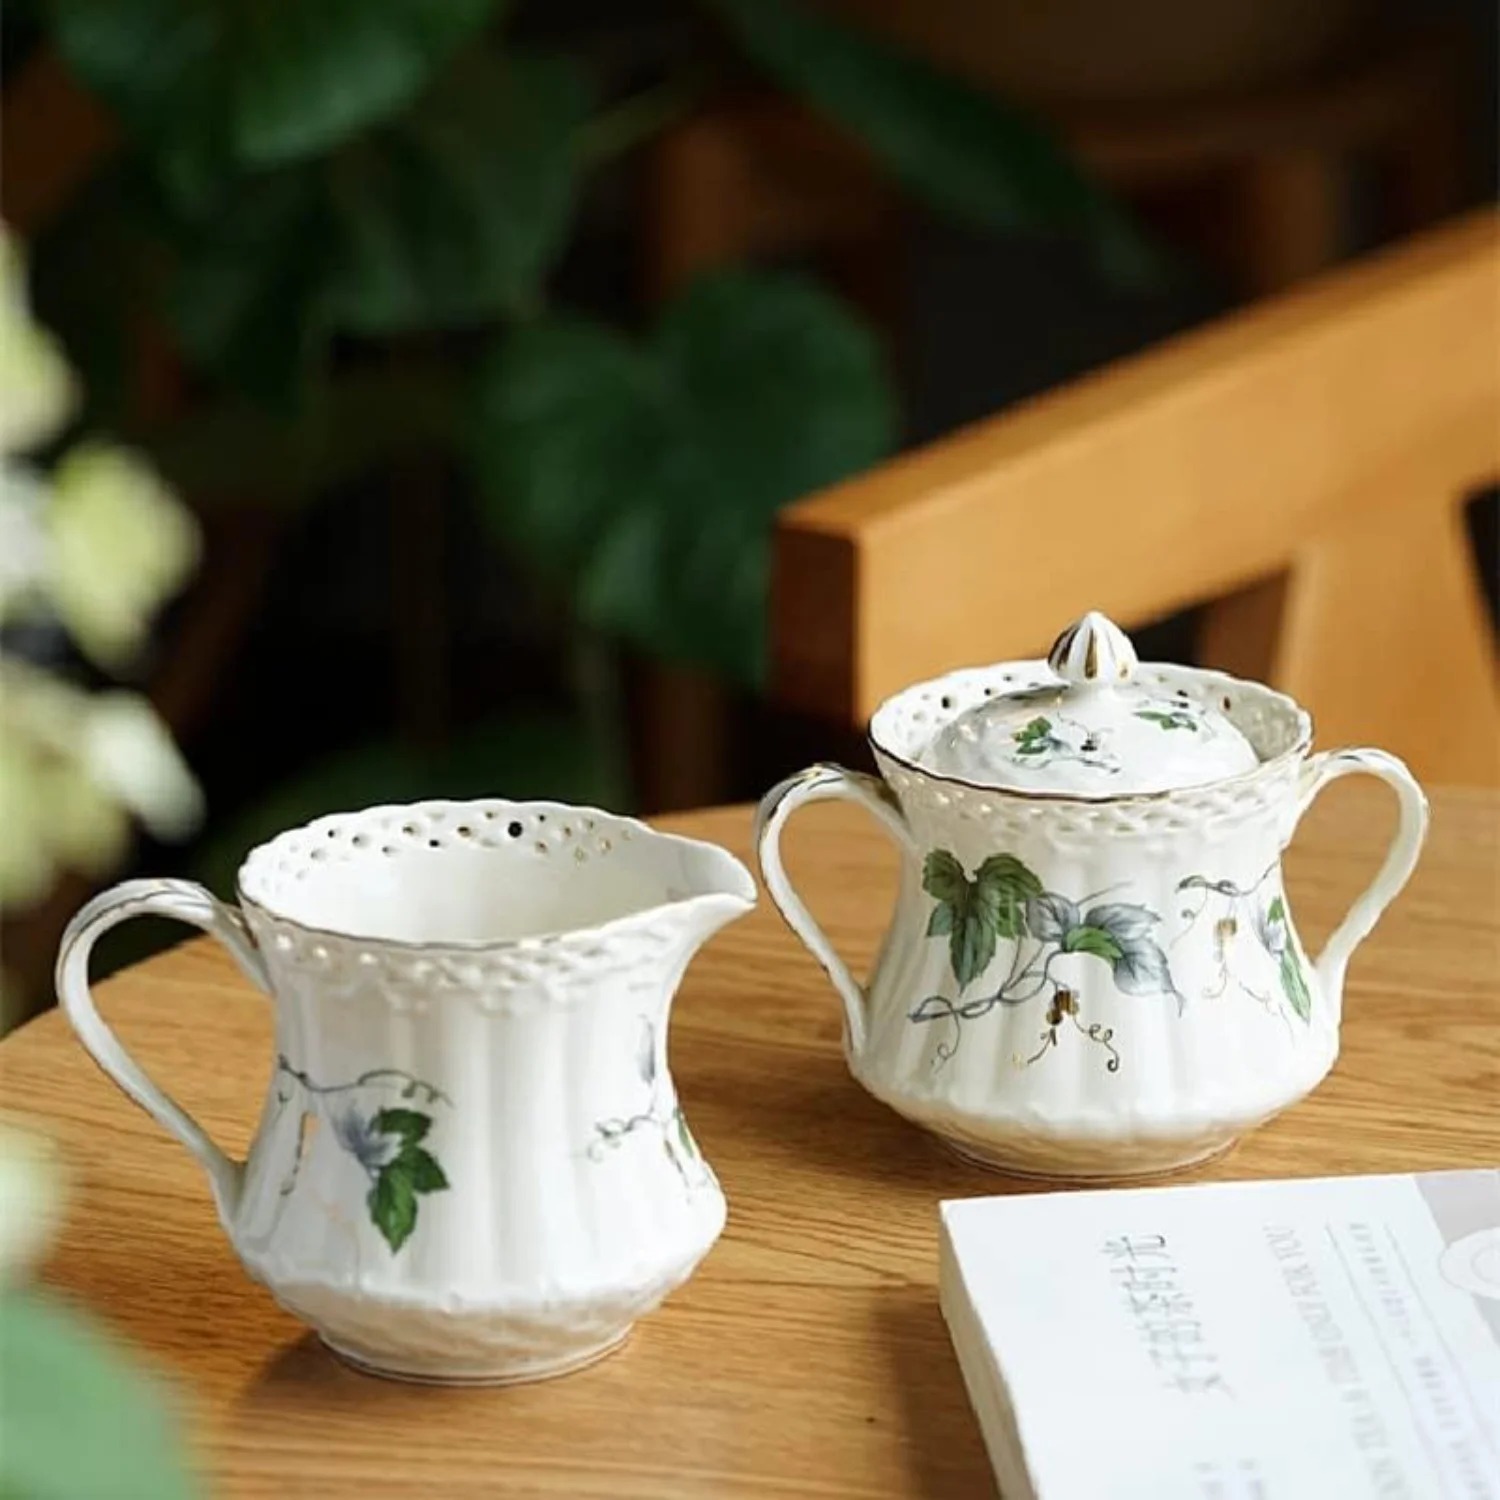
<point>518,1373</point>
<point>1136,1162</point>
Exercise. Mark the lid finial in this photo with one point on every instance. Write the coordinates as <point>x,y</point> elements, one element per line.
<point>1094,650</point>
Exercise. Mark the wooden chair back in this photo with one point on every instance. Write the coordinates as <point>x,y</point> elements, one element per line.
<point>1299,467</point>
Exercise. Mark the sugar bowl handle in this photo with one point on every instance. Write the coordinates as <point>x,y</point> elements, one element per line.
<point>823,783</point>
<point>1400,859</point>
<point>183,901</point>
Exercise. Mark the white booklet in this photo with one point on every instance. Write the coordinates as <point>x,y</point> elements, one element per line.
<point>1319,1339</point>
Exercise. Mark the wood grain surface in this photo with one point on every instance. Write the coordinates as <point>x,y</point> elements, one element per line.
<point>808,1356</point>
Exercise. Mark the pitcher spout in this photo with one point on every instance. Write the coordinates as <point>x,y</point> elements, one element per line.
<point>723,891</point>
<point>702,916</point>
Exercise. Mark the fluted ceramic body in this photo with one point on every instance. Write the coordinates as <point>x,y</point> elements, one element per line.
<point>471,1162</point>
<point>1092,987</point>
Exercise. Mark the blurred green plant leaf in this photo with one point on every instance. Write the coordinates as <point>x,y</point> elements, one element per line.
<point>571,417</point>
<point>446,218</point>
<point>235,452</point>
<point>525,756</point>
<point>77,1416</point>
<point>212,82</point>
<point>456,212</point>
<point>645,476</point>
<point>248,297</point>
<point>960,148</point>
<point>109,221</point>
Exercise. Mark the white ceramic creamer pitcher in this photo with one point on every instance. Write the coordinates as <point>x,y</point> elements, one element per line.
<point>1091,969</point>
<point>471,1164</point>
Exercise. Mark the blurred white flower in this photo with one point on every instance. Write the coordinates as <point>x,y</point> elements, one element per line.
<point>101,544</point>
<point>23,539</point>
<point>74,768</point>
<point>128,751</point>
<point>37,392</point>
<point>120,544</point>
<point>31,1200</point>
<point>101,540</point>
<point>27,865</point>
<point>86,829</point>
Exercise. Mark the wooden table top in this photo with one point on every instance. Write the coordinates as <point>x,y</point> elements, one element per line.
<point>808,1356</point>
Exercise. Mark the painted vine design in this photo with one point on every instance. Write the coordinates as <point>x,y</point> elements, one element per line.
<point>1049,738</point>
<point>1005,901</point>
<point>1168,718</point>
<point>1042,740</point>
<point>386,1140</point>
<point>663,1115</point>
<point>1268,922</point>
<point>1179,713</point>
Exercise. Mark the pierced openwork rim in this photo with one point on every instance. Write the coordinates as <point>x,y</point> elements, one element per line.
<point>1013,676</point>
<point>735,881</point>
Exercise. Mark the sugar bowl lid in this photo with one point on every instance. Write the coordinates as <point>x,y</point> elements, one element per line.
<point>1091,725</point>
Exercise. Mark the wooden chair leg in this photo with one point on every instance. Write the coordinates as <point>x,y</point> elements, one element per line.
<point>1241,633</point>
<point>1387,638</point>
<point>1290,226</point>
<point>683,739</point>
<point>1291,218</point>
<point>1423,172</point>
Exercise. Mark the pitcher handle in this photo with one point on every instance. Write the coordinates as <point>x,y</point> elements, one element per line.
<point>823,783</point>
<point>183,901</point>
<point>1400,859</point>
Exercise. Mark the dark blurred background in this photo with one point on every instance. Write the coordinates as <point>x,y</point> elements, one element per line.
<point>485,340</point>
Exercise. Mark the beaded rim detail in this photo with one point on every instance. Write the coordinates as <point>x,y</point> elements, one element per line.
<point>383,827</point>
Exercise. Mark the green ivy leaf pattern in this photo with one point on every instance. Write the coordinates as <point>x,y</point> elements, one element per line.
<point>410,1124</point>
<point>1094,940</point>
<point>971,944</point>
<point>971,947</point>
<point>1168,718</point>
<point>393,1205</point>
<point>1006,900</point>
<point>1131,924</point>
<point>1141,967</point>
<point>1041,740</point>
<point>1275,935</point>
<point>1294,985</point>
<point>974,914</point>
<point>1033,737</point>
<point>387,1142</point>
<point>1003,886</point>
<point>943,878</point>
<point>1051,917</point>
<point>410,1173</point>
<point>685,1142</point>
<point>426,1175</point>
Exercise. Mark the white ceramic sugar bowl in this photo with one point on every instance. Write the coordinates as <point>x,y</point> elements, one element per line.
<point>1091,969</point>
